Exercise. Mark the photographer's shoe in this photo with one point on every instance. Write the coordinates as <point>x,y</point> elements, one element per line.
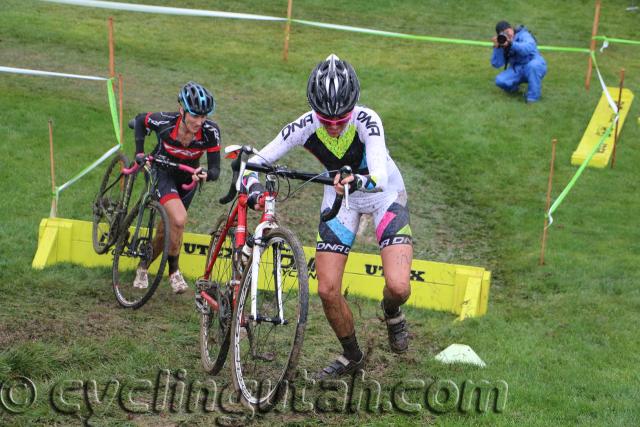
<point>339,367</point>
<point>397,331</point>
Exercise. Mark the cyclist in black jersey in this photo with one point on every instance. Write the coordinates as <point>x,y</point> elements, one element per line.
<point>182,137</point>
<point>339,132</point>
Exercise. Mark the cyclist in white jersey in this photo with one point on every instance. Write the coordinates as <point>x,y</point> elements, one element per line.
<point>340,133</point>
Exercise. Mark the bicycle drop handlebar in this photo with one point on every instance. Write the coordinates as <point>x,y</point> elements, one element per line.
<point>165,163</point>
<point>238,166</point>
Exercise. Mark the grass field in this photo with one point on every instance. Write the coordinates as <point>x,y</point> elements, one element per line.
<point>475,162</point>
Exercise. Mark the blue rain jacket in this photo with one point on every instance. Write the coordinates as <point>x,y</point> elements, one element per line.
<point>525,65</point>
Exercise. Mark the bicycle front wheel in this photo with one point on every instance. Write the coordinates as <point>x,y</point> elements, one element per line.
<point>144,242</point>
<point>215,326</point>
<point>266,347</point>
<point>108,205</point>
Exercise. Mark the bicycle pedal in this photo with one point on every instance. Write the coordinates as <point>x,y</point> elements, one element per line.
<point>207,286</point>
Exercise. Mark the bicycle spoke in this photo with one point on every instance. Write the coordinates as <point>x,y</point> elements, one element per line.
<point>215,335</point>
<point>143,245</point>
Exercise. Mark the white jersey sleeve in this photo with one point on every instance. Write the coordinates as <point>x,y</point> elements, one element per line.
<point>293,134</point>
<point>369,127</point>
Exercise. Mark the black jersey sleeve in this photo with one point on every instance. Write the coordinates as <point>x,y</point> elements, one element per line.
<point>213,165</point>
<point>212,146</point>
<point>211,136</point>
<point>141,130</point>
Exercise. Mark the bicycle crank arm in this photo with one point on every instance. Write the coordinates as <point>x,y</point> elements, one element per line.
<point>212,303</point>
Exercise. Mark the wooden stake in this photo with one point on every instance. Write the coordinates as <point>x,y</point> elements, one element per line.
<point>287,31</point>
<point>112,66</point>
<point>54,202</point>
<point>549,184</point>
<point>120,91</point>
<point>592,46</point>
<point>615,136</point>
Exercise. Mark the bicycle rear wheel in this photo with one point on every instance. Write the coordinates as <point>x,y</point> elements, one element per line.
<point>145,236</point>
<point>266,350</point>
<point>108,205</point>
<point>215,326</point>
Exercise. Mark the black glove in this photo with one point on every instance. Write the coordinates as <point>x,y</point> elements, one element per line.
<point>252,201</point>
<point>140,159</point>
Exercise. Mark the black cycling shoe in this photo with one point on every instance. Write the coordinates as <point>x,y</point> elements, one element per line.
<point>339,367</point>
<point>397,331</point>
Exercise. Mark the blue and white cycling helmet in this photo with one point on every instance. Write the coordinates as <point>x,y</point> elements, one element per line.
<point>196,100</point>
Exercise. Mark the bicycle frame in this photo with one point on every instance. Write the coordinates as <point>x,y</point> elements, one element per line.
<point>142,200</point>
<point>151,183</point>
<point>123,206</point>
<point>238,218</point>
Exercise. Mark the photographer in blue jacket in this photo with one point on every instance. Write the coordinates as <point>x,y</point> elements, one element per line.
<point>517,51</point>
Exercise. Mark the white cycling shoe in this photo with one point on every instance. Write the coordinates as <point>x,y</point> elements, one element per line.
<point>178,284</point>
<point>142,280</point>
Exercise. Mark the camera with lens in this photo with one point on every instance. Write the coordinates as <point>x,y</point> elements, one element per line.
<point>502,39</point>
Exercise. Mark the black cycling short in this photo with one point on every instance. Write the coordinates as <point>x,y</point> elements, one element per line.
<point>170,187</point>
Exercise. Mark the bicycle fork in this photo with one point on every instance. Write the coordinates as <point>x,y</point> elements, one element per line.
<point>258,250</point>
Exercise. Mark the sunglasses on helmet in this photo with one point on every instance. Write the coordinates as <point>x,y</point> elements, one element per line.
<point>334,122</point>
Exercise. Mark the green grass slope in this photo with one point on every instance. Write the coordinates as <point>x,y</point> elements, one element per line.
<point>474,160</point>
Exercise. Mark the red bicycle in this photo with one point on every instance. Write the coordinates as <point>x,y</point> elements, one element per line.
<point>254,293</point>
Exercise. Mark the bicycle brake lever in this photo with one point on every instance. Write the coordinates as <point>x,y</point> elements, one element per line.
<point>345,172</point>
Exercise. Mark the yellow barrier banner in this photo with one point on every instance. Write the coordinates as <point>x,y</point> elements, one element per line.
<point>602,118</point>
<point>462,290</point>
